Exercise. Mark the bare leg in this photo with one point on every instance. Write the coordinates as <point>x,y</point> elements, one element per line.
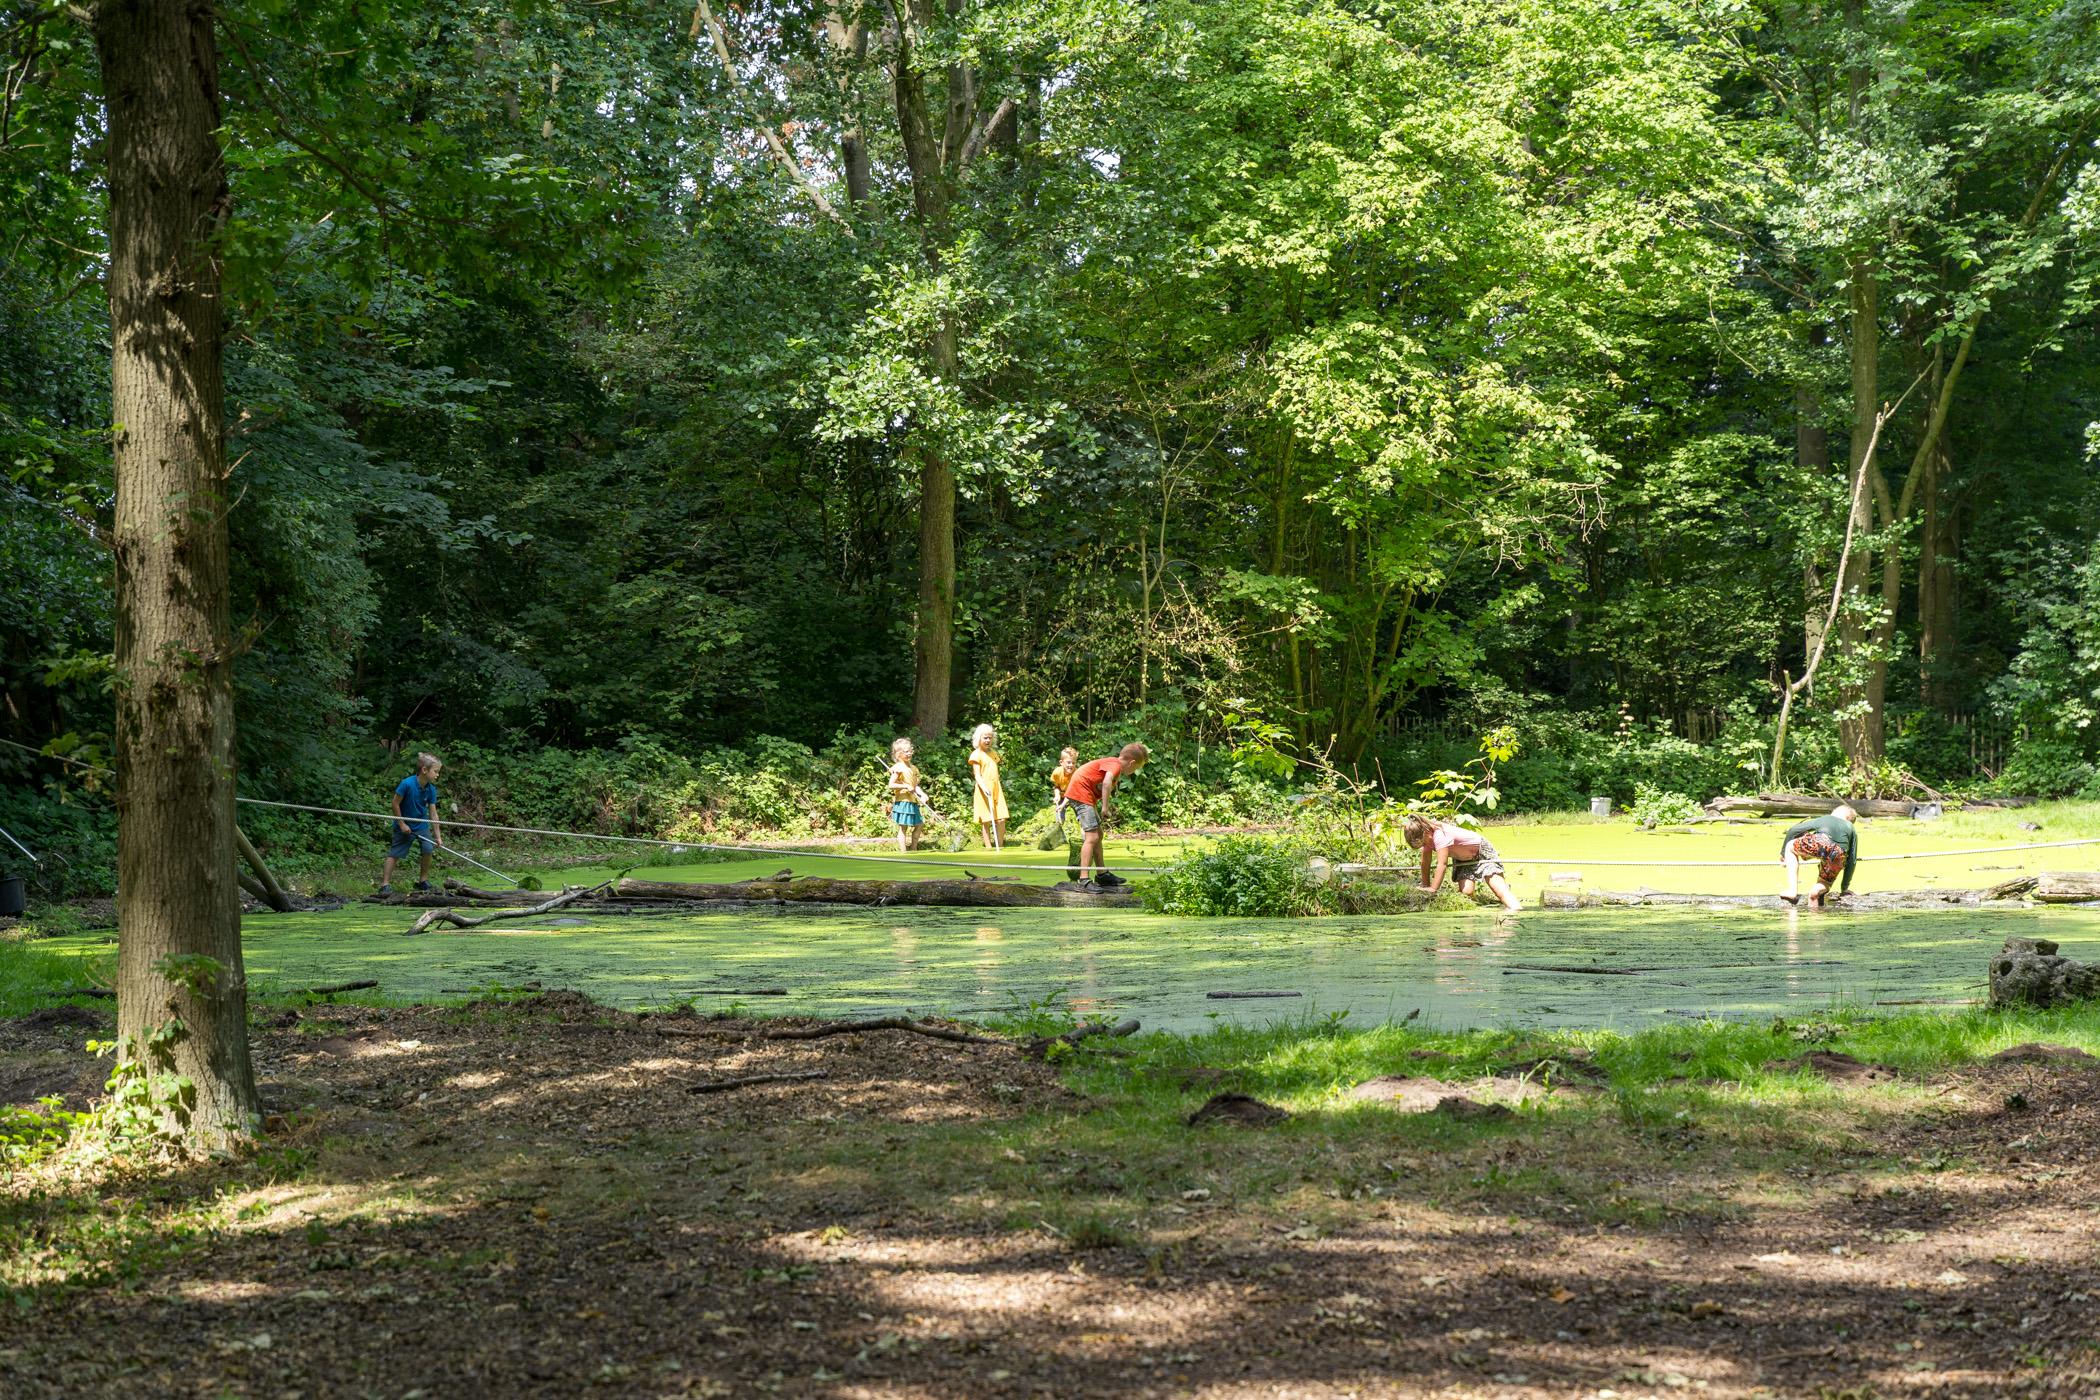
<point>1792,863</point>
<point>900,837</point>
<point>423,871</point>
<point>1815,896</point>
<point>386,873</point>
<point>1090,855</point>
<point>1499,887</point>
<point>999,834</point>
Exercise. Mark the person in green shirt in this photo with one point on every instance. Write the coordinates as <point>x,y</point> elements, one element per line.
<point>1832,842</point>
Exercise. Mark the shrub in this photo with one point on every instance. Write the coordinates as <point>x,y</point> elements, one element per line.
<point>1247,877</point>
<point>1652,807</point>
<point>2047,768</point>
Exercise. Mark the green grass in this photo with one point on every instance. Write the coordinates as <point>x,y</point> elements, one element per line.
<point>32,977</point>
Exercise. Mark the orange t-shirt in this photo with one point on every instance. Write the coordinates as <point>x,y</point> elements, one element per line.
<point>1086,783</point>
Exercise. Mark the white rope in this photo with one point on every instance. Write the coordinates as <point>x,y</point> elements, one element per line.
<point>655,841</point>
<point>1139,869</point>
<point>1763,864</point>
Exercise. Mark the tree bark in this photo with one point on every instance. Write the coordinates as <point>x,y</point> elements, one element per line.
<point>181,987</point>
<point>1936,593</point>
<point>1859,731</point>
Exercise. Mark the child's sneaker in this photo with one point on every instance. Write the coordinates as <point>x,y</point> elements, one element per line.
<point>422,886</point>
<point>386,889</point>
<point>1108,880</point>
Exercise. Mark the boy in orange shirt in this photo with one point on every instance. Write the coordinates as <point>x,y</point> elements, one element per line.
<point>1087,794</point>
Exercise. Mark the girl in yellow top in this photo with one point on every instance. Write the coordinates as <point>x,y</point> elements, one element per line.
<point>988,800</point>
<point>1061,778</point>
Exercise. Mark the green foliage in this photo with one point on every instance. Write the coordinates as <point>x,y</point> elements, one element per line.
<point>1653,807</point>
<point>146,1107</point>
<point>28,1135</point>
<point>1244,877</point>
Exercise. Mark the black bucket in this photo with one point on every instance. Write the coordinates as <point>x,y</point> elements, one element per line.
<point>14,895</point>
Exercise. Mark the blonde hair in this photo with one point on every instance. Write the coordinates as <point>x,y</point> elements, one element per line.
<point>899,748</point>
<point>1845,811</point>
<point>430,761</point>
<point>1068,757</point>
<point>980,734</point>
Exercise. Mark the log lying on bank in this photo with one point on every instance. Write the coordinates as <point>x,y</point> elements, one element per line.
<point>2028,972</point>
<point>1879,900</point>
<point>2066,886</point>
<point>1794,804</point>
<point>818,889</point>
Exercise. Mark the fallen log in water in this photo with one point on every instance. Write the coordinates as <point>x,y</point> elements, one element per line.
<point>1794,804</point>
<point>2028,972</point>
<point>2066,887</point>
<point>1863,903</point>
<point>457,920</point>
<point>818,889</point>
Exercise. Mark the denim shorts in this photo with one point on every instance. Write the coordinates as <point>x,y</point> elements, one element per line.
<point>406,841</point>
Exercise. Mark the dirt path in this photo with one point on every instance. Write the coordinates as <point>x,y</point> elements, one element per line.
<point>527,1199</point>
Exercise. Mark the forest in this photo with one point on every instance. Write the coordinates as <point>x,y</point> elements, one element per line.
<point>622,384</point>
<point>1381,429</point>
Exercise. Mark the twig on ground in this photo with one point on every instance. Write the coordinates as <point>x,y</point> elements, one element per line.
<point>882,1023</point>
<point>716,1086</point>
<point>365,985</point>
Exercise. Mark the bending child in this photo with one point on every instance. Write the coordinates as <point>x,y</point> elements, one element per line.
<point>1469,857</point>
<point>1087,794</point>
<point>1832,842</point>
<point>908,804</point>
<point>988,798</point>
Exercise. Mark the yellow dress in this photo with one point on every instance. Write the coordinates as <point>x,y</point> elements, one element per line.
<point>985,764</point>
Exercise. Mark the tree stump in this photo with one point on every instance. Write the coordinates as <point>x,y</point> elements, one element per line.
<point>2028,972</point>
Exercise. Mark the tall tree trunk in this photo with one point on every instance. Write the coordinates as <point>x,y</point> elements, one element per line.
<point>934,648</point>
<point>849,44</point>
<point>1812,455</point>
<point>1860,737</point>
<point>1936,617</point>
<point>181,989</point>
<point>928,153</point>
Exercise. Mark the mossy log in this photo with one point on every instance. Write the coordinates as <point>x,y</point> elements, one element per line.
<point>817,889</point>
<point>1863,903</point>
<point>1794,804</point>
<point>2066,886</point>
<point>2028,972</point>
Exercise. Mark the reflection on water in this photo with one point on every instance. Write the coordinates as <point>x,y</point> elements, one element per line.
<point>1616,967</point>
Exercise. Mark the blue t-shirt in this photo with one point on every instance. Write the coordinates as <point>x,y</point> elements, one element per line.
<point>418,800</point>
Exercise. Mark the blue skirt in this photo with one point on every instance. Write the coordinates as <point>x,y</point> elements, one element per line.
<point>906,814</point>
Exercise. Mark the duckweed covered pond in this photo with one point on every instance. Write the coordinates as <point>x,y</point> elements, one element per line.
<point>1602,968</point>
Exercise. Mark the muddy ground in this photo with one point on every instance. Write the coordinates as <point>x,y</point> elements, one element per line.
<point>528,1198</point>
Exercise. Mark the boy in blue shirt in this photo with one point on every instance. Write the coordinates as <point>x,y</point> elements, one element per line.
<point>415,821</point>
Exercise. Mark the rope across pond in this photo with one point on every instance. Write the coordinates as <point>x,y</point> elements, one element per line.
<point>1348,867</point>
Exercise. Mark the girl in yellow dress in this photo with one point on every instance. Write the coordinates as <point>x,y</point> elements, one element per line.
<point>988,799</point>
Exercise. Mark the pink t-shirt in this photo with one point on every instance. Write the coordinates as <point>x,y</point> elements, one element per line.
<point>1450,834</point>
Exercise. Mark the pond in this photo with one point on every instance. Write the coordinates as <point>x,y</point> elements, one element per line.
<point>1594,968</point>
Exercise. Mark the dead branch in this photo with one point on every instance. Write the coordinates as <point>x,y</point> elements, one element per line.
<point>702,15</point>
<point>716,1086</point>
<point>448,916</point>
<point>830,1028</point>
<point>332,989</point>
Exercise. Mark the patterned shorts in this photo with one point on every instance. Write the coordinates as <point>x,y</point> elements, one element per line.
<point>1828,855</point>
